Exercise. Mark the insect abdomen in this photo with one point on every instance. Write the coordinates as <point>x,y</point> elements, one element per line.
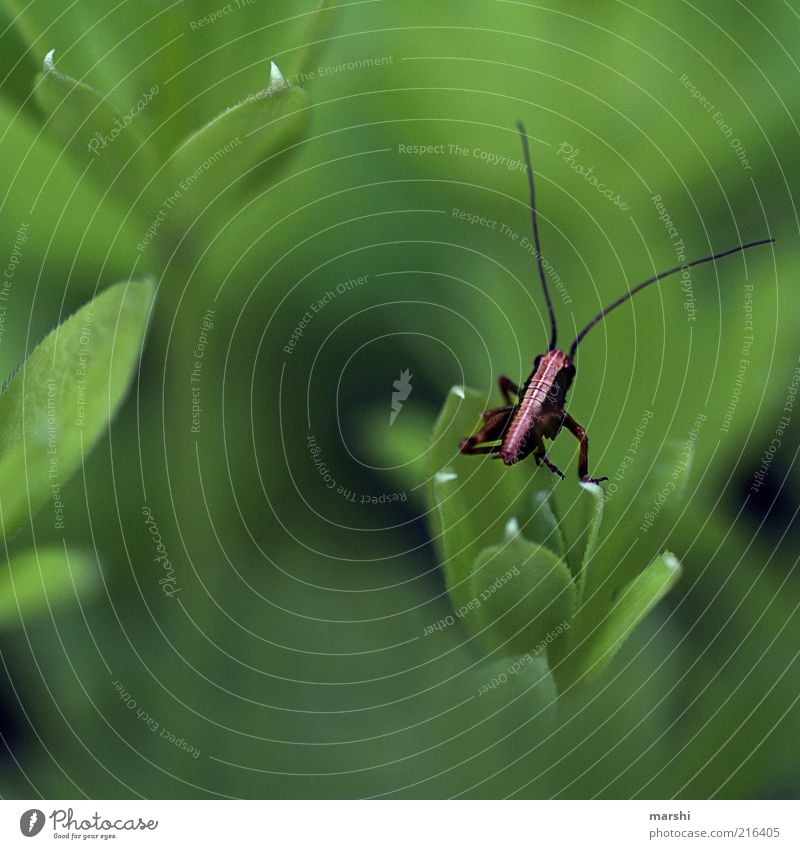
<point>523,423</point>
<point>542,396</point>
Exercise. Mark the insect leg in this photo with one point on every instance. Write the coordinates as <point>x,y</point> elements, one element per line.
<point>583,463</point>
<point>508,387</point>
<point>540,455</point>
<point>490,414</point>
<point>478,449</point>
<point>494,424</point>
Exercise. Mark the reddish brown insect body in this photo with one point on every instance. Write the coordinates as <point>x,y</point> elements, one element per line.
<point>540,409</point>
<point>519,428</point>
<point>538,414</point>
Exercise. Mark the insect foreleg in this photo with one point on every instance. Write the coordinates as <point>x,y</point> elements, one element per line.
<point>508,387</point>
<point>583,462</point>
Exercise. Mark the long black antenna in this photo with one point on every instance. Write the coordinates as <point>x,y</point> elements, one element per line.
<point>600,316</point>
<point>526,152</point>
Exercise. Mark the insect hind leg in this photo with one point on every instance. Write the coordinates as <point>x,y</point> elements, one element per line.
<point>467,448</point>
<point>494,425</point>
<point>489,415</point>
<point>583,462</point>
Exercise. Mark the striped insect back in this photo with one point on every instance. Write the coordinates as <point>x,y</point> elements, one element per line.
<point>541,401</point>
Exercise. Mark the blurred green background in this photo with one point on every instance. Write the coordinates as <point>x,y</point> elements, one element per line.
<point>293,656</point>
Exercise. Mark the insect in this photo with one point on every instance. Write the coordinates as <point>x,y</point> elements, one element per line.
<point>519,428</point>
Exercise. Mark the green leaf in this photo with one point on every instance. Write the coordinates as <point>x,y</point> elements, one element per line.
<point>544,527</point>
<point>318,32</point>
<point>38,580</point>
<point>92,131</point>
<point>68,221</point>
<point>526,678</point>
<point>59,403</point>
<point>251,132</point>
<point>522,597</point>
<point>590,658</point>
<point>195,52</point>
<point>17,66</point>
<point>121,49</point>
<point>596,502</point>
<point>580,508</point>
<point>652,485</point>
<point>472,498</point>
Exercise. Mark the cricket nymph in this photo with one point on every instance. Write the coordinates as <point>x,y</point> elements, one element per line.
<point>540,411</point>
<point>512,432</point>
<point>537,415</point>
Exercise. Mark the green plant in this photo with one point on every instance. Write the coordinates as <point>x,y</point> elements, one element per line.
<point>527,566</point>
<point>53,410</point>
<point>136,147</point>
<point>321,672</point>
<point>119,153</point>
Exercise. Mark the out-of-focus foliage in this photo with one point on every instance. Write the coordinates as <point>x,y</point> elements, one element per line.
<point>285,628</point>
<point>58,404</point>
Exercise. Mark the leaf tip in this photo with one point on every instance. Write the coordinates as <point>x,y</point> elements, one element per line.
<point>540,498</point>
<point>458,391</point>
<point>49,64</point>
<point>446,476</point>
<point>511,529</point>
<point>277,80</point>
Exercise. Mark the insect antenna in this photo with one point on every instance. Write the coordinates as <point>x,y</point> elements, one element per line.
<point>526,152</point>
<point>621,300</point>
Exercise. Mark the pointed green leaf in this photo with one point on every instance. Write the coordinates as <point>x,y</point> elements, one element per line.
<point>471,498</point>
<point>522,597</point>
<point>634,602</point>
<point>240,138</point>
<point>639,516</point>
<point>59,402</point>
<point>544,527</point>
<point>595,510</point>
<point>195,52</point>
<point>580,508</point>
<point>92,131</point>
<point>585,518</point>
<point>38,580</point>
